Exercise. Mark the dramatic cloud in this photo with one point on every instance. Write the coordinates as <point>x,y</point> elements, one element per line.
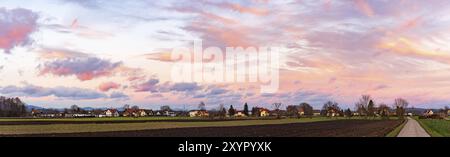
<point>16,26</point>
<point>104,87</point>
<point>149,86</point>
<point>119,95</point>
<point>83,68</point>
<point>330,50</point>
<point>60,92</point>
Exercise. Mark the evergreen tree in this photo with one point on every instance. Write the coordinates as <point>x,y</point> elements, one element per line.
<point>231,111</point>
<point>246,110</point>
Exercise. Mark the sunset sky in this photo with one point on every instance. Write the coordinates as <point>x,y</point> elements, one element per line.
<point>107,53</point>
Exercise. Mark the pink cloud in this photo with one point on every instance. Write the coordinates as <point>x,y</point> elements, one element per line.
<point>364,7</point>
<point>83,68</point>
<point>104,87</point>
<point>16,27</point>
<point>244,9</point>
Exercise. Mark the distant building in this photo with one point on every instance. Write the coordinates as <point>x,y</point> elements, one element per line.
<point>316,112</point>
<point>428,113</point>
<point>260,112</point>
<point>240,114</point>
<point>263,112</point>
<point>198,113</point>
<point>130,113</point>
<point>112,113</point>
<point>46,114</point>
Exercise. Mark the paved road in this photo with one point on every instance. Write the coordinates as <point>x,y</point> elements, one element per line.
<point>412,128</point>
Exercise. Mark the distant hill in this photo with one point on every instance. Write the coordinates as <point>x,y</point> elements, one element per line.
<point>30,107</point>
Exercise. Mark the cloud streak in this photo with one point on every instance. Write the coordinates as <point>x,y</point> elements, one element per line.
<point>59,92</point>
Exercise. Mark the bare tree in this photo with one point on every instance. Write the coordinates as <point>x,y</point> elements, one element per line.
<point>371,109</point>
<point>276,107</point>
<point>202,106</point>
<point>362,105</point>
<point>383,110</point>
<point>222,111</point>
<point>135,107</point>
<point>400,106</point>
<point>331,109</point>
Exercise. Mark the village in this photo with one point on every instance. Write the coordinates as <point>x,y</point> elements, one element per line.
<point>298,111</point>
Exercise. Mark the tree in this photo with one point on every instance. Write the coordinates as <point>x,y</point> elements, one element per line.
<point>202,106</point>
<point>231,111</point>
<point>75,109</point>
<point>255,111</point>
<point>126,106</point>
<point>383,110</point>
<point>165,108</point>
<point>371,109</point>
<point>331,109</point>
<point>292,111</point>
<point>246,109</point>
<point>222,111</point>
<point>307,109</point>
<point>400,105</point>
<point>277,107</point>
<point>12,107</point>
<point>135,107</point>
<point>348,113</point>
<point>362,105</point>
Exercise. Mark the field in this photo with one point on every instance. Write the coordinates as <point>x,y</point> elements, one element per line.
<point>436,127</point>
<point>318,126</point>
<point>44,121</point>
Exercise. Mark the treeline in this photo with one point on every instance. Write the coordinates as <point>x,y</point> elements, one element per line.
<point>12,107</point>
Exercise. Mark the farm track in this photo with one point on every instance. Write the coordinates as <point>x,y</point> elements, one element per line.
<point>338,128</point>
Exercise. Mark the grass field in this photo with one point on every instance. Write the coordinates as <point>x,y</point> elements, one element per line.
<point>93,119</point>
<point>75,128</point>
<point>435,127</point>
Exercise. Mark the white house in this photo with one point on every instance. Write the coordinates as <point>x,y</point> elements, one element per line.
<point>111,113</point>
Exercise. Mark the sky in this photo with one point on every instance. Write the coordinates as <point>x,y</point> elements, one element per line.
<point>107,53</point>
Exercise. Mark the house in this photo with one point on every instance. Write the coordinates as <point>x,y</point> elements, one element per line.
<point>198,113</point>
<point>135,113</point>
<point>263,112</point>
<point>166,113</point>
<point>46,113</point>
<point>316,112</point>
<point>111,113</point>
<point>79,115</point>
<point>428,113</point>
<point>300,111</point>
<point>170,113</point>
<point>130,113</point>
<point>333,112</point>
<point>149,112</point>
<point>240,114</point>
<point>260,112</point>
<point>141,113</point>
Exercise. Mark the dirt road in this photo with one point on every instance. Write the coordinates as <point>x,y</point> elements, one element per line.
<point>412,128</point>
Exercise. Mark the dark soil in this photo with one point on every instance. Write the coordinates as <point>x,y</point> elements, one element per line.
<point>339,128</point>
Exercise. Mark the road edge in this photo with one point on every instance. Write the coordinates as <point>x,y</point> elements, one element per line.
<point>397,129</point>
